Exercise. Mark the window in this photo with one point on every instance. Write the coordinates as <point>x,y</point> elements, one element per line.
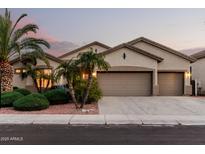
<point>85,75</point>
<point>44,80</point>
<point>19,70</point>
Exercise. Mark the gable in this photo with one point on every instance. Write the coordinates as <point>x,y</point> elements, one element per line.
<point>160,46</point>
<point>171,61</point>
<point>132,59</point>
<point>95,48</point>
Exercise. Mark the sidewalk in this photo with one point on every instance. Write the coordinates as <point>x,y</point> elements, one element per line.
<point>101,119</point>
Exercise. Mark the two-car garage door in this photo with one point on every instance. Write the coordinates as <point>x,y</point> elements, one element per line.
<point>139,83</point>
<point>125,84</point>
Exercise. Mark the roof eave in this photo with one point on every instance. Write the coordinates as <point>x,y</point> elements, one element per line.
<point>159,59</point>
<point>85,46</point>
<point>177,53</point>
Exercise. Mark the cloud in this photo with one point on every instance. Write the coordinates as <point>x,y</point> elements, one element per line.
<point>57,47</point>
<point>41,33</point>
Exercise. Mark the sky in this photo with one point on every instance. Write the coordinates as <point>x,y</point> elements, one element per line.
<point>177,28</point>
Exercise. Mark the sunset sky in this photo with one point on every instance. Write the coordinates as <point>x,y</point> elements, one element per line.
<point>177,28</point>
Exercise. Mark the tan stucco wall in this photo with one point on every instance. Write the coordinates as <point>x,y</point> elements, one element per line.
<point>198,72</point>
<point>132,59</point>
<point>17,81</point>
<point>170,63</point>
<point>134,62</point>
<point>74,55</point>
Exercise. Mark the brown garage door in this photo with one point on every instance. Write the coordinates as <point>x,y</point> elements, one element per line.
<point>171,84</point>
<point>125,84</point>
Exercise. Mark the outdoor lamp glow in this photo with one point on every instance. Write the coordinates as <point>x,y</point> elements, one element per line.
<point>187,74</point>
<point>85,76</point>
<point>94,74</point>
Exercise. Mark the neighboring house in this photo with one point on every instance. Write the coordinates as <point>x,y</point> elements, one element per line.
<point>27,82</point>
<point>198,70</point>
<point>95,46</point>
<point>143,67</point>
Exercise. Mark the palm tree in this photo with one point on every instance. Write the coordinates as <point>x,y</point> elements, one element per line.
<point>31,71</point>
<point>15,41</point>
<point>29,60</point>
<point>70,71</point>
<point>89,61</point>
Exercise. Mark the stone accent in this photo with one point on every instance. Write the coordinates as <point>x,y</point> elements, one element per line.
<point>188,90</point>
<point>155,90</point>
<point>6,76</point>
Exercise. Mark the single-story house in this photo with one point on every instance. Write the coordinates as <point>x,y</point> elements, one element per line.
<point>141,67</point>
<point>198,73</point>
<point>27,82</point>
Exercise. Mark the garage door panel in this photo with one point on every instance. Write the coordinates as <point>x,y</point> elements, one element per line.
<point>171,84</point>
<point>125,84</point>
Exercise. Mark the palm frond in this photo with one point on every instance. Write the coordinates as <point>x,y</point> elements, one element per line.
<point>25,30</point>
<point>31,40</point>
<point>16,23</point>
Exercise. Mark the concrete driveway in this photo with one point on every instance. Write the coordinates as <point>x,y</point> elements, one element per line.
<point>158,105</point>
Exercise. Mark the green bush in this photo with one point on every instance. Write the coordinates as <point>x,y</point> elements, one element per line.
<point>14,88</point>
<point>8,98</point>
<point>23,91</point>
<point>94,95</point>
<point>31,102</point>
<point>57,96</point>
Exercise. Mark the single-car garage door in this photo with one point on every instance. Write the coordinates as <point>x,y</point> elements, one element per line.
<point>171,84</point>
<point>125,84</point>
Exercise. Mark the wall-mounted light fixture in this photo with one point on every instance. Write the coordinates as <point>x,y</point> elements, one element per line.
<point>94,74</point>
<point>85,75</point>
<point>187,74</point>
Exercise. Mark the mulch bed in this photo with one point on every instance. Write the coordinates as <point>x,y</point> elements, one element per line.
<point>57,109</point>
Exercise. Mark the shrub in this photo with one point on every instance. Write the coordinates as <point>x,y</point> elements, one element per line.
<point>14,88</point>
<point>31,102</point>
<point>94,95</point>
<point>8,98</point>
<point>23,91</point>
<point>57,96</point>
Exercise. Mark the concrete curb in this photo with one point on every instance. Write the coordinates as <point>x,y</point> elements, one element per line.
<point>110,119</point>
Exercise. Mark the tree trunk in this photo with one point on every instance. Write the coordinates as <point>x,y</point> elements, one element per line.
<point>86,93</point>
<point>36,85</point>
<point>6,77</point>
<point>72,93</point>
<point>40,87</point>
<point>47,84</point>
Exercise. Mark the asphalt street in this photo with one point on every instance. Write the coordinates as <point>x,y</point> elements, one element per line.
<point>101,135</point>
